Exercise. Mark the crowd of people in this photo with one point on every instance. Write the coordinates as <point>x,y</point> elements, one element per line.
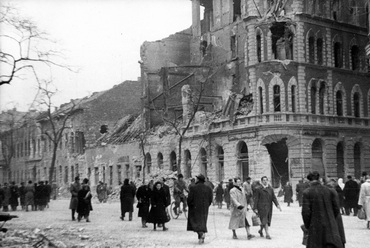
<point>33,195</point>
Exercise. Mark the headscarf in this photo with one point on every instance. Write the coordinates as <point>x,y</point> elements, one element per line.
<point>340,183</point>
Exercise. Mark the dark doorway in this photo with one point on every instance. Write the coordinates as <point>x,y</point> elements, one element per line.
<point>317,160</point>
<point>279,162</point>
<point>243,160</point>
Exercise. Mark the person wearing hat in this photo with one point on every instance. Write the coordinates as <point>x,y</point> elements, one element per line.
<point>75,187</point>
<point>179,193</point>
<point>199,199</point>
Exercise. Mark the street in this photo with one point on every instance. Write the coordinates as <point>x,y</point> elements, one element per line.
<point>107,230</point>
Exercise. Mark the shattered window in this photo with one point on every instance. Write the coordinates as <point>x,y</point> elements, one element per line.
<point>313,100</point>
<point>355,58</point>
<point>282,41</point>
<point>338,55</point>
<point>293,91</point>
<point>322,92</point>
<point>259,47</point>
<point>339,103</point>
<point>277,107</point>
<point>260,91</point>
<point>319,46</point>
<point>356,104</point>
<point>311,49</point>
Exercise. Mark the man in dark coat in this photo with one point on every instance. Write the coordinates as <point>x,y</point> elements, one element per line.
<point>14,194</point>
<point>42,195</point>
<point>143,201</point>
<point>351,191</point>
<point>74,188</point>
<point>127,196</point>
<point>320,209</point>
<point>199,199</point>
<point>22,195</point>
<point>301,186</point>
<point>263,199</point>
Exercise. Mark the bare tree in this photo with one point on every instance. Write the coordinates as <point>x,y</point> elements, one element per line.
<point>23,47</point>
<point>55,121</point>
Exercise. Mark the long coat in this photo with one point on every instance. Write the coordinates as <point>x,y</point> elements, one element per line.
<point>263,200</point>
<point>30,193</point>
<point>6,193</point>
<point>219,193</point>
<point>84,201</point>
<point>75,187</point>
<point>143,197</point>
<point>158,203</point>
<point>127,196</point>
<point>364,198</point>
<point>237,219</point>
<point>14,194</point>
<point>351,191</point>
<point>288,193</point>
<point>319,211</point>
<point>199,199</point>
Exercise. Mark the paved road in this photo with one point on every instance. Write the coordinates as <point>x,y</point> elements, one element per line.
<point>107,230</point>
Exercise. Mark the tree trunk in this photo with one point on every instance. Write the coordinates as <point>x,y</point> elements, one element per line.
<point>52,165</point>
<point>179,156</point>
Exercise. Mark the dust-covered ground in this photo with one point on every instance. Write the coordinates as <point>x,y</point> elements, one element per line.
<point>107,230</point>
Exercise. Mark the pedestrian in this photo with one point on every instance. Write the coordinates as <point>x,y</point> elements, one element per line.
<point>127,199</point>
<point>339,188</point>
<point>364,199</point>
<point>14,195</point>
<point>158,202</point>
<point>288,193</point>
<point>74,188</point>
<point>22,195</point>
<point>247,186</point>
<point>263,199</point>
<point>240,217</point>
<point>219,194</point>
<point>42,195</point>
<point>48,193</point>
<point>1,195</point>
<point>84,205</point>
<point>105,192</point>
<point>35,197</point>
<point>301,186</point>
<point>351,191</point>
<point>143,201</point>
<point>209,184</point>
<point>179,190</point>
<point>6,197</point>
<point>100,191</point>
<point>229,186</point>
<point>199,199</point>
<point>29,197</point>
<point>192,182</point>
<point>320,209</point>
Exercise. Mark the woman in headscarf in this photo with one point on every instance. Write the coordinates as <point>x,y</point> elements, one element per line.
<point>339,188</point>
<point>84,201</point>
<point>158,214</point>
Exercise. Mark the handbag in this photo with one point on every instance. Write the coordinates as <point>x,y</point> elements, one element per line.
<point>256,221</point>
<point>281,193</point>
<point>361,214</point>
<point>305,235</point>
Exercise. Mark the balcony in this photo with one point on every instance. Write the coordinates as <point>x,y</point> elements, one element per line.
<point>280,119</point>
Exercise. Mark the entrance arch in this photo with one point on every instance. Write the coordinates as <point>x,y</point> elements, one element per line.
<point>243,160</point>
<point>317,157</point>
<point>278,151</point>
<point>340,160</point>
<point>173,161</point>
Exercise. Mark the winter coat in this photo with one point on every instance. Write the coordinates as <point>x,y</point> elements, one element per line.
<point>158,203</point>
<point>14,194</point>
<point>319,212</point>
<point>75,187</point>
<point>101,191</point>
<point>301,186</point>
<point>340,195</point>
<point>167,193</point>
<point>127,198</point>
<point>288,193</point>
<point>263,199</point>
<point>42,195</point>
<point>6,197</point>
<point>351,191</point>
<point>143,200</point>
<point>364,199</point>
<point>219,193</point>
<point>30,194</point>
<point>227,192</point>
<point>199,199</point>
<point>22,195</point>
<point>84,205</point>
<point>238,216</point>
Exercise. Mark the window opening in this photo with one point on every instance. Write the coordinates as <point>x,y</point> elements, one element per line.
<point>237,10</point>
<point>260,90</point>
<point>322,97</point>
<point>313,100</point>
<point>259,47</point>
<point>339,100</point>
<point>337,55</point>
<point>355,58</point>
<point>319,46</point>
<point>356,103</point>
<point>277,98</point>
<point>311,49</point>
<point>293,91</point>
<point>282,41</point>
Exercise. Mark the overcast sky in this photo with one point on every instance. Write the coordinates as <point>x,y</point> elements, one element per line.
<point>100,37</point>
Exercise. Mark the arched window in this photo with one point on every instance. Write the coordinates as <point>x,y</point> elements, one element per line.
<point>148,162</point>
<point>319,51</point>
<point>243,159</point>
<point>173,161</point>
<point>293,91</point>
<point>340,160</point>
<point>313,99</point>
<point>355,58</point>
<point>339,103</point>
<point>259,46</point>
<point>357,160</point>
<point>160,160</point>
<point>322,92</point>
<point>338,55</point>
<point>221,168</point>
<point>203,161</point>
<point>311,50</point>
<point>356,104</point>
<point>277,105</point>
<point>260,92</point>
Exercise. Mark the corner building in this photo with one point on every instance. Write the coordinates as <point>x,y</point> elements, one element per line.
<point>302,67</point>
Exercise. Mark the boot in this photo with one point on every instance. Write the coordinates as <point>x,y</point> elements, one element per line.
<point>87,219</point>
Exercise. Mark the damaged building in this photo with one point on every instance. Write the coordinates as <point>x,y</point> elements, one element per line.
<point>281,88</point>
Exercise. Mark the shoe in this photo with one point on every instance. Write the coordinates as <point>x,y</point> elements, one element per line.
<point>235,237</point>
<point>73,218</point>
<point>250,236</point>
<point>368,224</point>
<point>87,220</point>
<point>268,237</point>
<point>121,218</point>
<point>165,229</point>
<point>261,233</point>
<point>144,226</point>
<point>159,225</point>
